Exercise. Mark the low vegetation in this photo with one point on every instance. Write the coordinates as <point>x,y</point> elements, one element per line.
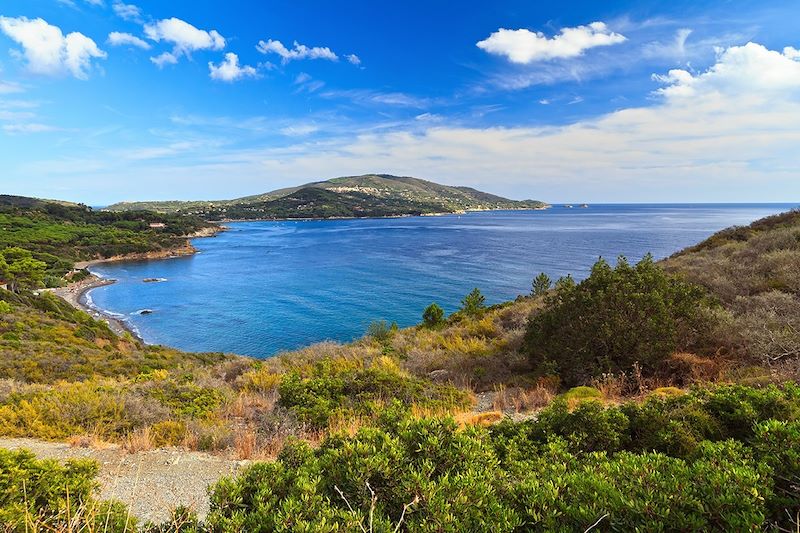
<point>665,398</point>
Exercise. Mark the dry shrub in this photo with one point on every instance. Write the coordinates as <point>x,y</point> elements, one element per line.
<point>89,440</point>
<point>246,444</point>
<point>478,419</point>
<point>138,441</point>
<point>685,368</point>
<point>522,400</point>
<point>250,407</point>
<point>612,386</point>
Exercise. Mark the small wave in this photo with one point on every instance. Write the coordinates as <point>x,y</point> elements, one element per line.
<point>154,280</point>
<point>144,312</point>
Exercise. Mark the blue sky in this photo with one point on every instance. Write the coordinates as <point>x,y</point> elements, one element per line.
<point>105,100</point>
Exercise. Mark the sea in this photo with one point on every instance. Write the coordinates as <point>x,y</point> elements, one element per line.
<point>262,288</point>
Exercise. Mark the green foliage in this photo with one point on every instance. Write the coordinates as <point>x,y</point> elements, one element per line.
<point>337,388</point>
<point>541,284</point>
<point>44,495</point>
<point>372,195</point>
<point>473,303</point>
<point>20,269</point>
<point>435,477</point>
<point>381,331</point>
<point>58,234</point>
<point>433,316</point>
<point>613,319</point>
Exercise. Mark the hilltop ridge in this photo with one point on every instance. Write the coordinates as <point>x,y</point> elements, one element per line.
<point>370,195</point>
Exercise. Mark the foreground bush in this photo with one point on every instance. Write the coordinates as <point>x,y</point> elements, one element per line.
<point>615,318</point>
<point>427,475</point>
<point>38,495</point>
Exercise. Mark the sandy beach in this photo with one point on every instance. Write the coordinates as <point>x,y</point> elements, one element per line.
<point>75,295</point>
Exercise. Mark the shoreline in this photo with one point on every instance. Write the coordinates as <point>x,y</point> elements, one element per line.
<point>76,294</point>
<point>421,215</point>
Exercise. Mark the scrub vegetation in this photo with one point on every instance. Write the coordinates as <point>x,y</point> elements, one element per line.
<point>650,396</point>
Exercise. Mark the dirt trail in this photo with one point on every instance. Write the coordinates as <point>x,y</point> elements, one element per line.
<point>151,483</point>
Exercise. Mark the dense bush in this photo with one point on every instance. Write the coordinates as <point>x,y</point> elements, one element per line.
<point>45,495</point>
<point>564,472</point>
<point>336,387</point>
<point>615,318</point>
<point>433,316</point>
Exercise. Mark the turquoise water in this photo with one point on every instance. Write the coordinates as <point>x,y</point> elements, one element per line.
<point>264,287</point>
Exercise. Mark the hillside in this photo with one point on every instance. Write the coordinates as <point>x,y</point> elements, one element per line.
<point>371,195</point>
<point>686,386</point>
<point>60,234</point>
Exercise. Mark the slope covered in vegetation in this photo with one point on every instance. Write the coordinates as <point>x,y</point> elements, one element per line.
<point>682,415</point>
<point>60,234</point>
<point>371,195</point>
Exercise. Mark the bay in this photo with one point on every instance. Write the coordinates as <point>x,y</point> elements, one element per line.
<point>265,287</point>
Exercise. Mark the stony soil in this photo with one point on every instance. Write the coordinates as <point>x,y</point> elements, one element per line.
<point>151,483</point>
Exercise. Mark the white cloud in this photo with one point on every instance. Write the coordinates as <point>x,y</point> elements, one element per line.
<point>71,3</point>
<point>165,58</point>
<point>229,70</point>
<point>524,46</point>
<point>301,78</point>
<point>127,11</point>
<point>353,59</point>
<point>8,87</point>
<point>184,37</point>
<point>371,98</point>
<point>674,49</point>
<point>46,49</point>
<point>751,69</point>
<point>737,129</point>
<point>27,128</point>
<point>116,38</point>
<point>298,52</point>
<point>299,130</point>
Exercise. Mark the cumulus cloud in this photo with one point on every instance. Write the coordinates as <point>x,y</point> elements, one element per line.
<point>298,52</point>
<point>116,38</point>
<point>127,11</point>
<point>353,59</point>
<point>184,37</point>
<point>751,70</point>
<point>163,59</point>
<point>524,46</point>
<point>48,51</point>
<point>229,70</point>
<point>737,128</point>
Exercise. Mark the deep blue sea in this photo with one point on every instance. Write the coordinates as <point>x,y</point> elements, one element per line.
<point>265,287</point>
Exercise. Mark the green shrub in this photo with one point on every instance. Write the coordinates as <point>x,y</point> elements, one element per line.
<point>381,331</point>
<point>541,284</point>
<point>613,319</point>
<point>436,477</point>
<point>44,495</point>
<point>333,388</point>
<point>433,316</point>
<point>473,303</point>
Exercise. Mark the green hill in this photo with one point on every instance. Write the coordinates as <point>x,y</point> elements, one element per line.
<point>371,195</point>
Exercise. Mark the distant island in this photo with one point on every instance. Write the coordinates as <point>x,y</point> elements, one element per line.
<point>370,195</point>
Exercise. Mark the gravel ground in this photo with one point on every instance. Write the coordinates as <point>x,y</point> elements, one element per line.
<point>151,483</point>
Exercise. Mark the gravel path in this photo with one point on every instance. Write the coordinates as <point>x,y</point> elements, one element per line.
<point>151,483</point>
